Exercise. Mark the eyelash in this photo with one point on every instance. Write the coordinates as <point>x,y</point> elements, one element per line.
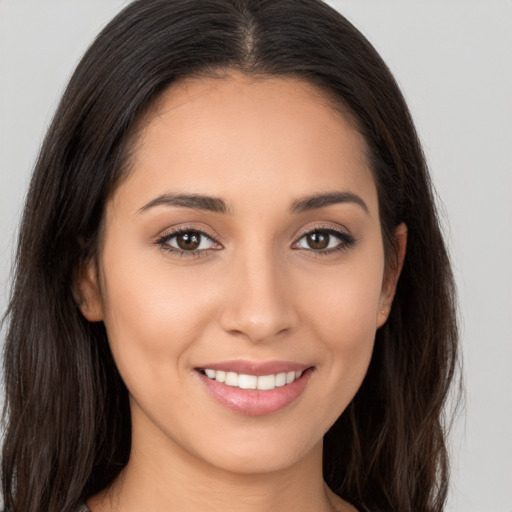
<point>346,241</point>
<point>163,242</point>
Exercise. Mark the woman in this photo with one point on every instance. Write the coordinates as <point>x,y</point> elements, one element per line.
<point>231,288</point>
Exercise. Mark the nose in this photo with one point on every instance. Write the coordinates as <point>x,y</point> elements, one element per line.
<point>259,303</point>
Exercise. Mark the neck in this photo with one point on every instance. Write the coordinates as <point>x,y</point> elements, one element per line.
<point>161,476</point>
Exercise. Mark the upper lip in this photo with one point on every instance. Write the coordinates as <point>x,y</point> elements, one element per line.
<point>255,368</point>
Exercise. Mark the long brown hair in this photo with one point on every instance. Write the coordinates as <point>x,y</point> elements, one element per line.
<point>67,418</point>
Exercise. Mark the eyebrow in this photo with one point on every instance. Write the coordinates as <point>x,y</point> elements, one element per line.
<point>217,205</point>
<point>316,201</point>
<point>195,201</point>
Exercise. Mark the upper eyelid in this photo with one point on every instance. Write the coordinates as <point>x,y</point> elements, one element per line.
<point>323,228</point>
<point>330,229</point>
<point>171,233</point>
<point>184,229</point>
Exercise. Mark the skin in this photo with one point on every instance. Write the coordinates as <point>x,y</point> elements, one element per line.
<point>258,292</point>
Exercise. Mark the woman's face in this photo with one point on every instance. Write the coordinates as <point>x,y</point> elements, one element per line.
<point>245,240</point>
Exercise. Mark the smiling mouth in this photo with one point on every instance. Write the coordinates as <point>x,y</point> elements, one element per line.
<point>252,389</point>
<point>245,381</point>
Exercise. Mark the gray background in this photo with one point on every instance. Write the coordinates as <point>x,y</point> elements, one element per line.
<point>453,60</point>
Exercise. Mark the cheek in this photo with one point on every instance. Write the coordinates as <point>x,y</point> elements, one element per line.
<point>343,304</point>
<point>342,309</point>
<point>153,313</point>
<point>348,333</point>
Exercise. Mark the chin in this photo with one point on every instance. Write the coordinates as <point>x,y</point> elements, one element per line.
<point>252,463</point>
<point>254,452</point>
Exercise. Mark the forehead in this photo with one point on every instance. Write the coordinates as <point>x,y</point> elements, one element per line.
<point>245,135</point>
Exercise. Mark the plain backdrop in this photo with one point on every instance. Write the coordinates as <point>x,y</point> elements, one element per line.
<point>453,60</point>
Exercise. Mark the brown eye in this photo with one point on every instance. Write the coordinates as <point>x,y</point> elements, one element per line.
<point>318,240</point>
<point>188,241</point>
<point>325,241</point>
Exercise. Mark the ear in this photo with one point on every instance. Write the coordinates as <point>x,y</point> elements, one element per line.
<point>391,275</point>
<point>87,292</point>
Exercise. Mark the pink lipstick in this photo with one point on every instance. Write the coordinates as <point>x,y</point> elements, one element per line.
<point>255,389</point>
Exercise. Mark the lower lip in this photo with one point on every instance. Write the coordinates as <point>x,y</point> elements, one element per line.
<point>253,402</point>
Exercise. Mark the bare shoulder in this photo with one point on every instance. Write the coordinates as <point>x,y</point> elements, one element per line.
<point>338,504</point>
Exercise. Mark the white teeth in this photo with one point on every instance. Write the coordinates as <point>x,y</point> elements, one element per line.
<point>266,382</point>
<point>280,379</point>
<point>244,381</point>
<point>231,379</point>
<point>247,381</point>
